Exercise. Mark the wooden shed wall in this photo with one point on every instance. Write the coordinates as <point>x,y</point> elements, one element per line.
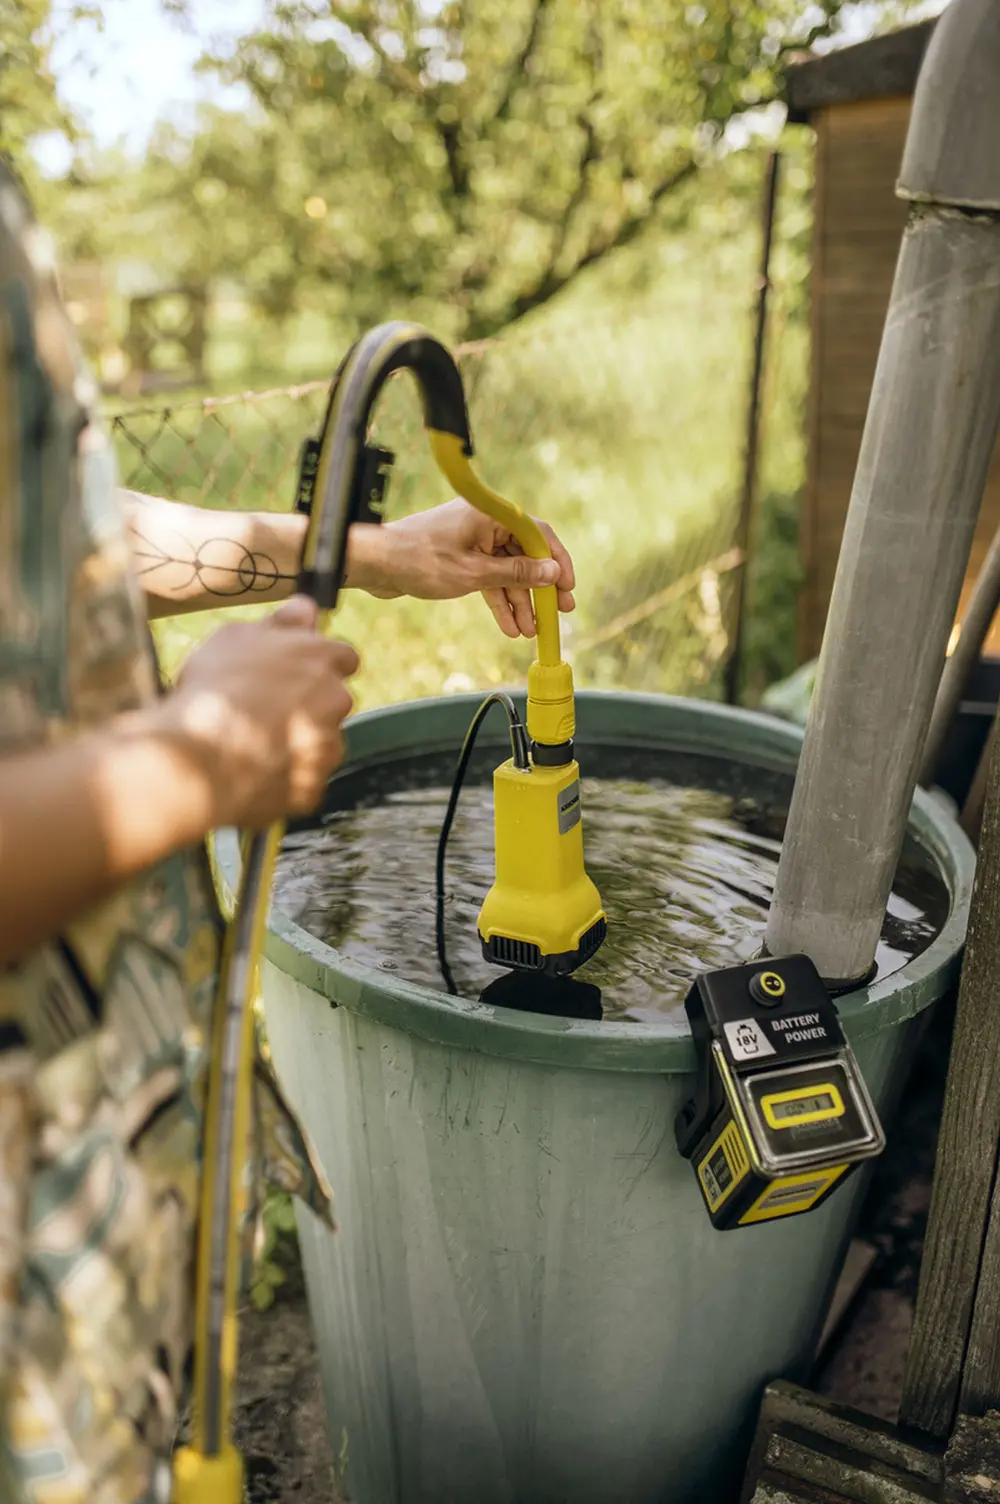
<point>858,226</point>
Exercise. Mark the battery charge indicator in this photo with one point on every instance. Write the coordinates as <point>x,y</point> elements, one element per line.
<point>802,1105</point>
<point>786,1109</point>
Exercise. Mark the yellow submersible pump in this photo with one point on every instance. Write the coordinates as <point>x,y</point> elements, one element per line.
<point>543,913</point>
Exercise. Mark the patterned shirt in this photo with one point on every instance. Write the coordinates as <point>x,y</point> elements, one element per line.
<point>102,1032</point>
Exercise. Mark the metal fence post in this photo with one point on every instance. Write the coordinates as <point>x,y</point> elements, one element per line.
<point>734,663</point>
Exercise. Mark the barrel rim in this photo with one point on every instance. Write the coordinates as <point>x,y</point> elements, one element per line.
<point>611,718</point>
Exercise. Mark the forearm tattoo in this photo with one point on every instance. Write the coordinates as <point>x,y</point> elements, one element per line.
<point>173,566</point>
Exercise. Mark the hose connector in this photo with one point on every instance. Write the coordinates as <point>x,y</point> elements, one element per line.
<point>551,717</point>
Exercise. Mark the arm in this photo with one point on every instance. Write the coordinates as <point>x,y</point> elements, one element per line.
<point>251,734</point>
<point>192,559</point>
<point>76,821</point>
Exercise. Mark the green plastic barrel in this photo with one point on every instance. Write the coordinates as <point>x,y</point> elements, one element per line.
<point>525,1302</point>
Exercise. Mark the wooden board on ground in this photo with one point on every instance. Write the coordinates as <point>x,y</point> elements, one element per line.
<point>810,1451</point>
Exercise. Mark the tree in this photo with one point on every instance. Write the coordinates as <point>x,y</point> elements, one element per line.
<point>468,155</point>
<point>29,101</point>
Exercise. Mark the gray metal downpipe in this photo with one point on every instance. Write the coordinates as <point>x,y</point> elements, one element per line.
<point>928,441</point>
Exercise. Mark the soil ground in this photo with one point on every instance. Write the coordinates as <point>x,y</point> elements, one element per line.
<point>864,1364</point>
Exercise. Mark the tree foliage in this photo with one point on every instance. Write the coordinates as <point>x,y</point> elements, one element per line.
<point>459,161</point>
<point>29,102</point>
<point>472,156</point>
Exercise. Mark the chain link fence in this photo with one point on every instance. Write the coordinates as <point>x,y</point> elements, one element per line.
<point>626,433</point>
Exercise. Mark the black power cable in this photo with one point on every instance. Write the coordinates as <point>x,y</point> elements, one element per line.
<point>519,751</point>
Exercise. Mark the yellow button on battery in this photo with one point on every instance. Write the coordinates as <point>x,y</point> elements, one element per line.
<point>767,987</point>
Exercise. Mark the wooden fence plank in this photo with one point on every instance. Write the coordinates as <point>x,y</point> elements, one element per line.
<point>966,1167</point>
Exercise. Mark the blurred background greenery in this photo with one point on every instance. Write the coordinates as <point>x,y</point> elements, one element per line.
<point>569,189</point>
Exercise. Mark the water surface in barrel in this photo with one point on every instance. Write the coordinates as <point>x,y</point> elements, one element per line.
<point>683,849</point>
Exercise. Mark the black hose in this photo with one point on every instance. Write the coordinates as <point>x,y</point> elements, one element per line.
<point>519,751</point>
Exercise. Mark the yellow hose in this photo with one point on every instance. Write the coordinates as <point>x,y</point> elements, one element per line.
<point>210,1470</point>
<point>455,467</point>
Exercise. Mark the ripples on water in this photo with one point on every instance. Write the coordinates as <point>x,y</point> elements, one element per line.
<point>685,866</point>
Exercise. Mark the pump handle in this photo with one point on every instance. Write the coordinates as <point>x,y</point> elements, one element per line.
<point>368,365</point>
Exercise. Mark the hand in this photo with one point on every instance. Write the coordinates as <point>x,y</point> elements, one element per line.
<point>453,550</point>
<point>263,703</point>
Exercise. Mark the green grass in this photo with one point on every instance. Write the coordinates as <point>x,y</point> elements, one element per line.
<point>618,416</point>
